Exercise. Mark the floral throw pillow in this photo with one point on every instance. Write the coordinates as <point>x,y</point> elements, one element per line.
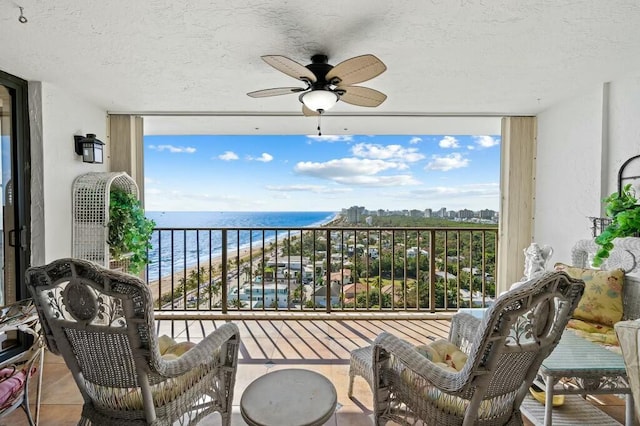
<point>602,299</point>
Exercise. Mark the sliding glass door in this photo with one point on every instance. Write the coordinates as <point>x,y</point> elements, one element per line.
<point>14,185</point>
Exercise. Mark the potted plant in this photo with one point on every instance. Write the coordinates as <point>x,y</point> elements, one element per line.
<point>129,230</point>
<point>624,211</point>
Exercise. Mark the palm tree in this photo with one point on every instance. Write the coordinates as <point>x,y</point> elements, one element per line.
<point>213,289</point>
<point>246,270</point>
<point>298,293</point>
<point>236,303</point>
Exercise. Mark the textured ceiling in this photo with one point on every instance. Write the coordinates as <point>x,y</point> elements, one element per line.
<point>444,57</point>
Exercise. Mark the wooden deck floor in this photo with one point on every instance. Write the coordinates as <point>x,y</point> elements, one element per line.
<point>267,345</point>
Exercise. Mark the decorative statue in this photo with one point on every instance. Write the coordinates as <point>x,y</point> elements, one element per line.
<point>535,259</point>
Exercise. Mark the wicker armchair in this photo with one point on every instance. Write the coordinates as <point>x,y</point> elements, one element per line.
<point>101,322</point>
<point>504,352</point>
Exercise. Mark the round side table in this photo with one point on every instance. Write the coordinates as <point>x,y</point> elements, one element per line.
<point>291,397</point>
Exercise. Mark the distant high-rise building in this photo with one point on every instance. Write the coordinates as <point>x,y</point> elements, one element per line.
<point>466,214</point>
<point>487,214</point>
<point>359,214</point>
<point>355,214</point>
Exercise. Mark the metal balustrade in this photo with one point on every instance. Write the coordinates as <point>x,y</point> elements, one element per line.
<point>368,269</point>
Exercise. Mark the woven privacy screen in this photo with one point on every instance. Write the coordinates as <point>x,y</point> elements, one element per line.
<point>91,213</point>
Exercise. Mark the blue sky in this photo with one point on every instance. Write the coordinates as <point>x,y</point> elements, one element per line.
<point>321,173</point>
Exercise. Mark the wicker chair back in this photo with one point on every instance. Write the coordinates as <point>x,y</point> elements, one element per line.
<point>504,349</point>
<point>101,322</point>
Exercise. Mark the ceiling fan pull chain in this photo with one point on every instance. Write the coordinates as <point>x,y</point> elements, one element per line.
<point>319,131</point>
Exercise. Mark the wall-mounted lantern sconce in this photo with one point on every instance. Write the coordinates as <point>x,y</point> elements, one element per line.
<point>89,147</point>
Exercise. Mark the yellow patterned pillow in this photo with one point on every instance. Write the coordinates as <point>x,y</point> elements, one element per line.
<point>602,298</point>
<point>170,349</point>
<point>594,332</point>
<point>444,354</point>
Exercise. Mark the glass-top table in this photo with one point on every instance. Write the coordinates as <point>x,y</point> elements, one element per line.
<point>585,368</point>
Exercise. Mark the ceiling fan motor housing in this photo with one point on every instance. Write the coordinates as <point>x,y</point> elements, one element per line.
<point>319,67</point>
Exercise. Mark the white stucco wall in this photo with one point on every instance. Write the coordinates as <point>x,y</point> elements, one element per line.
<point>63,115</point>
<point>573,138</point>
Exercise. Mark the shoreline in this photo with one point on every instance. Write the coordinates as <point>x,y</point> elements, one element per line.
<point>157,286</point>
<point>161,286</point>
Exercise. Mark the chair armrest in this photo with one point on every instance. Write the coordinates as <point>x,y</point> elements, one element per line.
<point>464,329</point>
<point>405,353</point>
<point>205,352</point>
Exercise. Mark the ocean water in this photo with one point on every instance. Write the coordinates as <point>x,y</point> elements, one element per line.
<point>194,241</point>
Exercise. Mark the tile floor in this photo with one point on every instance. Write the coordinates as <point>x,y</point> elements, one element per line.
<point>267,345</point>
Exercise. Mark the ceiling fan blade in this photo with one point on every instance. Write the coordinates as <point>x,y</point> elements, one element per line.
<point>276,91</point>
<point>290,67</point>
<point>308,112</point>
<point>361,96</point>
<point>356,70</point>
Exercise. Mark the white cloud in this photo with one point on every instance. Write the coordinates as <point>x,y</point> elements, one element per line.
<point>318,189</point>
<point>471,147</point>
<point>471,190</point>
<point>449,142</point>
<point>281,196</point>
<point>163,199</point>
<point>265,158</point>
<point>228,156</point>
<point>473,196</point>
<point>173,149</point>
<point>388,152</point>
<point>414,140</point>
<point>345,167</point>
<point>331,138</point>
<point>149,181</point>
<point>376,181</point>
<point>447,162</point>
<point>152,191</point>
<point>486,141</point>
<point>356,171</point>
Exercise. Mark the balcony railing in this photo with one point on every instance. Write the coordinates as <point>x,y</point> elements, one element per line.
<point>322,269</point>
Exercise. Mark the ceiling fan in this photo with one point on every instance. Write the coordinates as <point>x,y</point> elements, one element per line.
<point>327,84</point>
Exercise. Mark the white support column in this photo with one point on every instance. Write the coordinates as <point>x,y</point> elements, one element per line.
<point>517,183</point>
<point>126,147</point>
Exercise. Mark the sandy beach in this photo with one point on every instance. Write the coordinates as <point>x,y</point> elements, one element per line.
<point>163,286</point>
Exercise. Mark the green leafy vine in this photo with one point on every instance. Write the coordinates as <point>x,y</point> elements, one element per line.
<point>129,230</point>
<point>625,221</point>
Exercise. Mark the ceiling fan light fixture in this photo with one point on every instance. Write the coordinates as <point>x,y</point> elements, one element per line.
<point>319,100</point>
